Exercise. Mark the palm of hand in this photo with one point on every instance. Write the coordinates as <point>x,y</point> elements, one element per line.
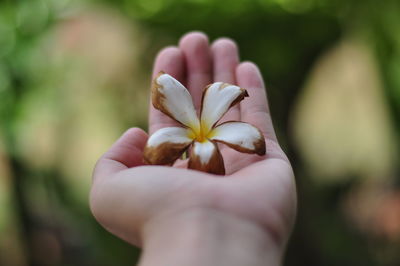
<point>127,196</point>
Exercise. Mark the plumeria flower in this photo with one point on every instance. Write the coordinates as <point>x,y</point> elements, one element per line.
<point>168,144</point>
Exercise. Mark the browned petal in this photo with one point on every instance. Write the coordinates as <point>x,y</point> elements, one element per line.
<point>216,101</point>
<point>170,97</point>
<point>206,157</point>
<point>240,136</point>
<point>259,147</point>
<point>158,98</point>
<point>164,154</point>
<point>243,94</point>
<point>238,99</point>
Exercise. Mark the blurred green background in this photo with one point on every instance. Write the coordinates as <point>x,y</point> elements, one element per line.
<point>74,75</point>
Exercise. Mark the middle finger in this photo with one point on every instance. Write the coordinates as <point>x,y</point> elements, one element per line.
<point>197,55</point>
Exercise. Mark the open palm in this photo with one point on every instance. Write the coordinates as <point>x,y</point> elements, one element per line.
<point>129,198</point>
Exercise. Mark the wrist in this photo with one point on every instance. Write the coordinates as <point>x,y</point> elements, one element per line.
<point>207,237</point>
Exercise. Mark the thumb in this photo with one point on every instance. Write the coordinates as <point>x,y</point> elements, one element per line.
<point>125,153</point>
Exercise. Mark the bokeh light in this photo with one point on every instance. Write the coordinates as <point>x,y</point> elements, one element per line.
<point>75,74</point>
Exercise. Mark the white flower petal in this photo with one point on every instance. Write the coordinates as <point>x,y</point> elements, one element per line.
<point>166,145</point>
<point>217,99</point>
<point>240,136</point>
<point>205,156</point>
<point>173,99</point>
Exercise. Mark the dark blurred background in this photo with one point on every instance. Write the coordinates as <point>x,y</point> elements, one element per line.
<point>74,75</point>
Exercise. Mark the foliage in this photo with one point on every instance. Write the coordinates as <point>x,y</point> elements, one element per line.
<point>64,98</point>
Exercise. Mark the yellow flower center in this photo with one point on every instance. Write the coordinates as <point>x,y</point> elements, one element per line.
<point>201,134</point>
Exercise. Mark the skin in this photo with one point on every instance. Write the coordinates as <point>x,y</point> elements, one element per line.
<point>185,217</point>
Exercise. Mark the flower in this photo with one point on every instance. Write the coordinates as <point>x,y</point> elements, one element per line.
<point>167,144</point>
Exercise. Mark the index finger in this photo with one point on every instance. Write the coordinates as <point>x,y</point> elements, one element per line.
<point>125,153</point>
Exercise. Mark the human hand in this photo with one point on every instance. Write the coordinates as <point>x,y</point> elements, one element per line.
<point>149,206</point>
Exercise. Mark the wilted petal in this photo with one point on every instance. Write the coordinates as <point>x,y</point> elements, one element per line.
<point>173,99</point>
<point>166,145</point>
<point>206,157</point>
<point>217,99</point>
<point>240,136</point>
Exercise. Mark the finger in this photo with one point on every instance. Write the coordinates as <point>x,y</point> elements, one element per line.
<point>254,109</point>
<point>225,60</point>
<point>197,56</point>
<point>125,153</point>
<point>171,61</point>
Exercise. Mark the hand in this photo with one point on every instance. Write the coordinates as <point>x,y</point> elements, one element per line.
<point>169,208</point>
